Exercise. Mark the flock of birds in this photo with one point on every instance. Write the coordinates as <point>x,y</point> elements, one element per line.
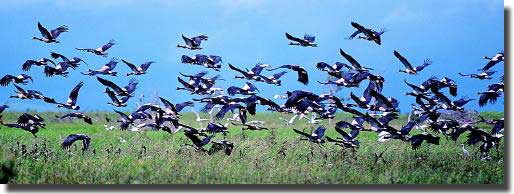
<point>371,107</point>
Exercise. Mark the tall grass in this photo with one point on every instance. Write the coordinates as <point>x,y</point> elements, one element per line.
<point>274,156</point>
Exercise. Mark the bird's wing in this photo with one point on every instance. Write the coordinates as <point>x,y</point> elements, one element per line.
<point>105,47</point>
<point>350,59</point>
<point>362,29</point>
<point>343,133</point>
<point>426,63</point>
<point>442,97</point>
<point>6,80</point>
<point>236,69</point>
<point>414,87</point>
<point>55,55</point>
<point>309,38</point>
<point>131,86</point>
<point>322,66</point>
<point>168,104</point>
<point>112,95</point>
<point>110,84</point>
<point>187,59</point>
<point>381,98</point>
<point>257,69</point>
<point>408,127</point>
<point>233,90</point>
<point>357,100</point>
<point>225,109</point>
<point>146,65</point>
<point>122,115</point>
<point>303,77</point>
<point>357,32</point>
<point>130,65</point>
<point>180,106</point>
<point>69,140</point>
<point>489,65</point>
<point>75,93</point>
<point>292,38</point>
<point>21,90</point>
<point>278,75</point>
<point>44,31</point>
<point>27,65</point>
<point>188,41</point>
<point>320,132</point>
<point>56,32</point>
<point>402,59</point>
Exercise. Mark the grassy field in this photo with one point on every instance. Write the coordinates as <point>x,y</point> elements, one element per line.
<point>276,156</point>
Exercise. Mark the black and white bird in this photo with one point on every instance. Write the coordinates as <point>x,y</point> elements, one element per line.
<point>125,121</point>
<point>86,141</point>
<point>27,122</point>
<point>73,62</point>
<point>252,74</point>
<point>273,79</point>
<point>221,145</point>
<point>31,94</point>
<point>59,69</point>
<point>247,89</point>
<point>494,91</point>
<point>369,34</point>
<point>230,107</point>
<point>33,129</point>
<point>107,69</point>
<point>77,115</point>
<point>120,91</point>
<point>488,141</point>
<point>50,36</point>
<point>303,77</point>
<point>29,119</point>
<point>316,136</point>
<point>347,140</point>
<point>71,103</point>
<point>408,67</point>
<point>208,61</point>
<point>418,139</point>
<point>481,76</point>
<point>499,57</point>
<point>307,41</point>
<point>193,43</point>
<point>100,51</point>
<point>173,109</point>
<point>41,62</point>
<point>138,70</point>
<point>197,142</point>
<point>20,79</point>
<point>332,70</point>
<point>115,101</point>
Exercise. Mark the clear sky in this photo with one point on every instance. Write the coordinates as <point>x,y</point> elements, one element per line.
<point>456,35</point>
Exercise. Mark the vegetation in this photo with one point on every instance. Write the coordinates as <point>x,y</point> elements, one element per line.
<point>276,156</point>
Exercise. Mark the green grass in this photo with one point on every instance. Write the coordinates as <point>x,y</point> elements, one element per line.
<point>257,158</point>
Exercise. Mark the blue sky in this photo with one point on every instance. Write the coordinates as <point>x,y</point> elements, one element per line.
<point>454,34</point>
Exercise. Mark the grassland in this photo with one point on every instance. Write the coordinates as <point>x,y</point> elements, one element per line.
<point>276,156</point>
